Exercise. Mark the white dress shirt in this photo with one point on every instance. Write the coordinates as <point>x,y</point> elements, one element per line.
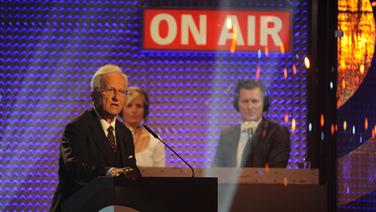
<point>105,125</point>
<point>247,130</point>
<point>153,155</point>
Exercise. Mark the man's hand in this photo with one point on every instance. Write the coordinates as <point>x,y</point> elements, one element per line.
<point>116,172</point>
<point>127,172</point>
<point>130,173</point>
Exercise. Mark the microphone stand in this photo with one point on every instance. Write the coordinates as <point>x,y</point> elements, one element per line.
<point>170,148</point>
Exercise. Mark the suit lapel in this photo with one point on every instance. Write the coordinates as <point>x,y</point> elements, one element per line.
<point>99,137</point>
<point>261,133</point>
<point>256,139</point>
<point>120,138</point>
<point>259,136</point>
<point>235,135</point>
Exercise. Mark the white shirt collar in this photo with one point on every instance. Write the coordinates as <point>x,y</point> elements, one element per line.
<point>105,124</point>
<point>249,124</point>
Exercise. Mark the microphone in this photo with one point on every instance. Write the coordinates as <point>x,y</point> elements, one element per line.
<point>157,137</point>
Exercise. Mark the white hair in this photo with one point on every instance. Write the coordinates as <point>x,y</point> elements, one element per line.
<point>106,69</point>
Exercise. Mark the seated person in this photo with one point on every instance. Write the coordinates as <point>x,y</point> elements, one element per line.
<point>149,150</point>
<point>257,141</point>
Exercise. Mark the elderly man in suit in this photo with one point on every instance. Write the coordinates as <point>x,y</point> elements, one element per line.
<point>257,141</point>
<point>96,143</point>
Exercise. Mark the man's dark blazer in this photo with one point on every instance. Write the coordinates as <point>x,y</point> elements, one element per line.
<point>270,145</point>
<point>85,154</point>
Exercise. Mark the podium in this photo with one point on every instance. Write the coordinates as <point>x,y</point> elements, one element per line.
<point>259,189</point>
<point>146,194</point>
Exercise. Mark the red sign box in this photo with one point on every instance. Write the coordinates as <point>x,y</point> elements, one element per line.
<point>213,30</point>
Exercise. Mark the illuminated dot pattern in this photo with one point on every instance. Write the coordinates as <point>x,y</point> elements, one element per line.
<point>49,50</point>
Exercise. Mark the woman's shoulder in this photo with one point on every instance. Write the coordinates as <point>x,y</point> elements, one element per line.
<point>154,142</point>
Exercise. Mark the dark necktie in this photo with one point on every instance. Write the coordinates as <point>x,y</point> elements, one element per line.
<point>247,148</point>
<point>111,138</point>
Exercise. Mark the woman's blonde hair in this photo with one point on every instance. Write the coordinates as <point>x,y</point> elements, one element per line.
<point>133,92</point>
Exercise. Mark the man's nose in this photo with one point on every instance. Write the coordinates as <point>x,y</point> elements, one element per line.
<point>115,97</point>
<point>250,105</point>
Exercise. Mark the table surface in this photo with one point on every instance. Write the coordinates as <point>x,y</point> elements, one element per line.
<point>241,175</point>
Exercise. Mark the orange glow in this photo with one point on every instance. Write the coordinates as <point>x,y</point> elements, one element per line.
<point>285,73</point>
<point>342,65</point>
<point>307,63</point>
<point>233,43</point>
<point>332,129</point>
<point>355,47</point>
<point>282,48</point>
<point>322,120</point>
<point>339,103</point>
<point>344,125</point>
<point>373,134</point>
<point>258,72</point>
<point>266,51</point>
<point>294,69</point>
<point>343,85</point>
<point>293,125</point>
<point>366,124</point>
<point>336,128</point>
<point>286,119</point>
<point>266,168</point>
<point>361,69</point>
<point>285,181</point>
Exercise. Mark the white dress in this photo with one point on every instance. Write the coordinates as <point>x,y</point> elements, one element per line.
<point>153,155</point>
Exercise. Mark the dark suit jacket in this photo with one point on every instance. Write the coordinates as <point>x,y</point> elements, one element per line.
<point>85,154</point>
<point>270,145</point>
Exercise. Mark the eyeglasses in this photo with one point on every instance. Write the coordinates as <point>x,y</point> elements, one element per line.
<point>113,91</point>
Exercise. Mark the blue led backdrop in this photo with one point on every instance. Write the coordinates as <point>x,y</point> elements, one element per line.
<point>49,51</point>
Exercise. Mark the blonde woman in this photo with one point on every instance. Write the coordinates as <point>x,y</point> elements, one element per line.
<point>149,151</point>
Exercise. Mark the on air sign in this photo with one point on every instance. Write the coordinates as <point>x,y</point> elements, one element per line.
<point>213,30</point>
